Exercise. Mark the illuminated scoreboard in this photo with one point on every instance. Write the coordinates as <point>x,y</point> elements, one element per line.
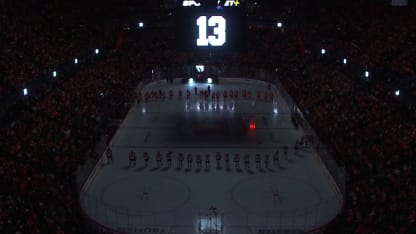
<point>211,25</point>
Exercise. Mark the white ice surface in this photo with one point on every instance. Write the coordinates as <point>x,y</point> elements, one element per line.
<point>294,196</point>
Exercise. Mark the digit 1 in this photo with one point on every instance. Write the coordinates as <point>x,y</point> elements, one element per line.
<point>202,40</point>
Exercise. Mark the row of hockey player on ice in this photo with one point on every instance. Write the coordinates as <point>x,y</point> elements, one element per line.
<point>267,96</point>
<point>219,157</point>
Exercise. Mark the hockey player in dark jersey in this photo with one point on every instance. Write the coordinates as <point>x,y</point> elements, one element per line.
<point>169,159</point>
<point>146,158</point>
<point>286,149</point>
<point>218,156</point>
<point>227,160</point>
<point>109,154</point>
<point>247,161</point>
<point>207,162</point>
<point>258,161</point>
<point>189,159</point>
<point>159,159</point>
<point>237,161</point>
<point>180,160</point>
<point>276,159</point>
<point>198,161</point>
<point>132,158</point>
<point>266,160</point>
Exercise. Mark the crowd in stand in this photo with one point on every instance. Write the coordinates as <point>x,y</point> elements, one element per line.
<point>48,135</point>
<point>371,138</point>
<point>35,38</point>
<point>364,126</point>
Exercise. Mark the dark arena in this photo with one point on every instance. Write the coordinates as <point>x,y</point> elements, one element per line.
<point>208,117</point>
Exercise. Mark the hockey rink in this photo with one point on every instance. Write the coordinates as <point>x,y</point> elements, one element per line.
<point>293,196</point>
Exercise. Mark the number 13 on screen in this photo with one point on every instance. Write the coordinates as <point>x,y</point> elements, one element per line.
<point>219,26</point>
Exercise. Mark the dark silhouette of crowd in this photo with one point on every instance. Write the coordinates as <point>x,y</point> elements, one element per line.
<point>47,135</point>
<point>37,37</point>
